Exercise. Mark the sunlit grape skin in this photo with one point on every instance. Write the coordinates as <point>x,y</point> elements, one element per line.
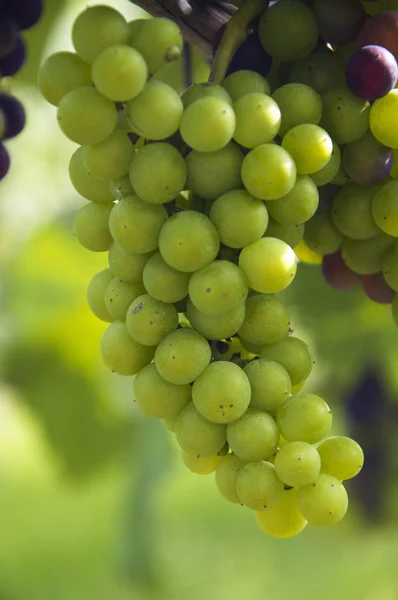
<point>371,72</point>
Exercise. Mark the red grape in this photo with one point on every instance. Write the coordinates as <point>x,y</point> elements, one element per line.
<point>336,272</point>
<point>381,30</point>
<point>371,72</point>
<point>377,289</point>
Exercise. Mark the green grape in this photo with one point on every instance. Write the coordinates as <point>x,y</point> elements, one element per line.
<point>111,158</point>
<point>267,320</point>
<point>127,266</point>
<point>352,211</point>
<point>196,436</point>
<point>120,353</point>
<point>251,348</point>
<point>218,288</point>
<point>60,73</point>
<point>211,174</point>
<point>294,355</point>
<point>158,173</point>
<point>288,31</point>
<point>284,520</point>
<point>170,423</point>
<point>385,208</point>
<point>243,82</point>
<point>298,104</point>
<point>226,475</point>
<point>163,282</point>
<point>328,173</point>
<point>216,327</point>
<point>341,457</point>
<point>208,124</point>
<point>119,73</point>
<point>258,120</point>
<point>96,295</point>
<point>134,26</point>
<point>366,257</point>
<point>304,417</point>
<point>148,320</point>
<point>188,241</point>
<point>221,394</point>
<point>298,206</point>
<point>390,268</point>
<point>135,224</point>
<point>91,227</point>
<point>239,218</point>
<point>321,234</point>
<point>341,178</point>
<point>86,117</point>
<point>345,116</point>
<point>202,465</point>
<point>394,309</point>
<point>157,397</point>
<point>268,172</point>
<point>319,71</point>
<point>85,183</point>
<point>310,147</point>
<point>182,356</point>
<point>159,41</point>
<point>297,464</point>
<point>119,295</point>
<point>290,234</point>
<point>258,486</point>
<point>121,187</point>
<point>383,119</point>
<point>269,265</point>
<point>97,28</point>
<point>254,436</point>
<point>202,90</point>
<point>156,113</point>
<point>270,385</point>
<point>323,502</point>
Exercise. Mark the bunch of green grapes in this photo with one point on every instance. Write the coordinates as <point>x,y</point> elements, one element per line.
<point>200,201</point>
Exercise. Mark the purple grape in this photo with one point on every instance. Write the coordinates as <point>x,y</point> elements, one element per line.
<point>371,72</point>
<point>336,272</point>
<point>381,30</point>
<point>14,115</point>
<point>339,21</point>
<point>376,288</point>
<point>4,161</point>
<point>10,64</point>
<point>26,12</point>
<point>8,33</point>
<point>366,161</point>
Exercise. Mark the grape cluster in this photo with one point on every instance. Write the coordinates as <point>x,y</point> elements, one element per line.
<point>15,16</point>
<point>199,201</point>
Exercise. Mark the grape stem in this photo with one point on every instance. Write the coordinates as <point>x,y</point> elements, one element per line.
<point>234,35</point>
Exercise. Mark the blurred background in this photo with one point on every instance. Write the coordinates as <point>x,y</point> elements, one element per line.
<point>95,503</point>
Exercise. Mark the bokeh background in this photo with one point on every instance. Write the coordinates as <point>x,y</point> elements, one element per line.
<point>94,501</point>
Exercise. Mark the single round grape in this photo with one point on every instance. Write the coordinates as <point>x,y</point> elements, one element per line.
<point>226,475</point>
<point>127,266</point>
<point>197,436</point>
<point>85,183</point>
<point>91,227</point>
<point>120,353</point>
<point>216,327</point>
<point>111,158</point>
<point>304,417</point>
<point>258,486</point>
<point>97,28</point>
<point>258,119</point>
<point>321,234</point>
<point>201,90</point>
<point>267,320</point>
<point>243,82</point>
<point>390,268</point>
<point>254,436</point>
<point>299,104</point>
<point>330,170</point>
<point>158,173</point>
<point>290,234</point>
<point>14,60</point>
<point>221,394</point>
<point>239,218</point>
<point>60,73</point>
<point>156,113</point>
<point>310,147</point>
<point>294,355</point>
<point>119,73</point>
<point>157,397</point>
<point>149,321</point>
<point>135,224</point>
<point>96,295</point>
<point>352,211</point>
<point>188,241</point>
<point>385,208</point>
<point>288,31</point>
<point>345,116</point>
<point>297,464</point>
<point>119,295</point>
<point>366,257</point>
<point>159,41</point>
<point>284,520</point>
<point>376,288</point>
<point>319,71</point>
<point>208,124</point>
<point>299,205</point>
<point>163,282</point>
<point>202,465</point>
<point>269,265</point>
<point>182,356</point>
<point>339,21</point>
<point>341,457</point>
<point>371,72</point>
<point>218,288</point>
<point>366,161</point>
<point>270,385</point>
<point>323,502</point>
<point>4,161</point>
<point>268,172</point>
<point>86,117</point>
<point>336,272</point>
<point>381,30</point>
